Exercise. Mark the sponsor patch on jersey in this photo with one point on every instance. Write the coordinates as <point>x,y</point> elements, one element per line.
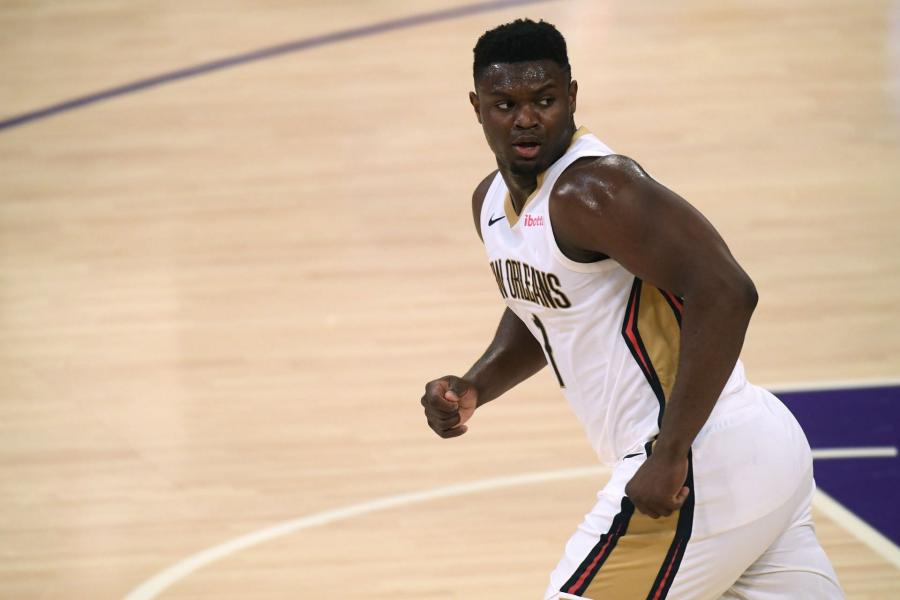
<point>534,220</point>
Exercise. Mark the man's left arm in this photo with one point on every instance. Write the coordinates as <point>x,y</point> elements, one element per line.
<point>610,206</point>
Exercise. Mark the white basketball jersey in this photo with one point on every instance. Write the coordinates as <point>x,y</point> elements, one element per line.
<point>610,339</point>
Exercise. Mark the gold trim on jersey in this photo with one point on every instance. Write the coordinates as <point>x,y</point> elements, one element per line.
<point>638,557</point>
<point>661,335</point>
<point>581,131</point>
<point>632,567</point>
<point>653,335</point>
<point>510,210</point>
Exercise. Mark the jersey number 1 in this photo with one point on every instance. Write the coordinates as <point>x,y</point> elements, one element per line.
<point>549,350</point>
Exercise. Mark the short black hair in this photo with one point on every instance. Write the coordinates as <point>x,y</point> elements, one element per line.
<point>520,41</point>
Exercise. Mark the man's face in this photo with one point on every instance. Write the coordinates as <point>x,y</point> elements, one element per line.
<point>526,110</point>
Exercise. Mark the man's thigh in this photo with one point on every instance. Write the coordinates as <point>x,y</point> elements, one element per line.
<point>794,566</point>
<point>620,554</point>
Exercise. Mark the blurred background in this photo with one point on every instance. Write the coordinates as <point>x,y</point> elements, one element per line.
<point>236,240</point>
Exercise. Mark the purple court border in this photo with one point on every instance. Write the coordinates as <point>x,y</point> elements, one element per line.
<point>847,417</point>
<point>262,54</point>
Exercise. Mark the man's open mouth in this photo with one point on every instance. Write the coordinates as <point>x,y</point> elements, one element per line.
<point>526,149</point>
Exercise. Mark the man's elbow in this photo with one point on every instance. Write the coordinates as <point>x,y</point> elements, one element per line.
<point>744,294</point>
<point>728,290</point>
<point>731,291</point>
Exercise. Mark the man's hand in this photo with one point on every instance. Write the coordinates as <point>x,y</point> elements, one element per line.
<point>449,402</point>
<point>657,488</point>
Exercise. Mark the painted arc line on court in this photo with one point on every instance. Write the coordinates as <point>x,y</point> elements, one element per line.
<point>158,583</point>
<point>152,587</point>
<point>316,41</point>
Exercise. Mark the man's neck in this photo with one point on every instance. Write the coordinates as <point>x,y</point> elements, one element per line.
<point>522,186</point>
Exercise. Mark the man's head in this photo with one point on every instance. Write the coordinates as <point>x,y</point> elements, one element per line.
<point>523,40</point>
<point>524,95</point>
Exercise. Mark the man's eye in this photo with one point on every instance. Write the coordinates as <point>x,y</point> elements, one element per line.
<point>545,101</point>
<point>504,105</point>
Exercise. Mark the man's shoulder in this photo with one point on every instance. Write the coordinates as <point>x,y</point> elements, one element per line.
<point>482,188</point>
<point>589,192</point>
<point>595,173</point>
<point>590,182</point>
<point>478,197</point>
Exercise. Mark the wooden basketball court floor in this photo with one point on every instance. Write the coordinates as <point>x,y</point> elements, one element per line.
<point>222,291</point>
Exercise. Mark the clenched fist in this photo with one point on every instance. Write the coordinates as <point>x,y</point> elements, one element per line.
<point>449,402</point>
<point>658,487</point>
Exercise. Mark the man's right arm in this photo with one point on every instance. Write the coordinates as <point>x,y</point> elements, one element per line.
<point>513,356</point>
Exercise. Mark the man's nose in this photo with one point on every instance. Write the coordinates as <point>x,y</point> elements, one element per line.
<point>526,117</point>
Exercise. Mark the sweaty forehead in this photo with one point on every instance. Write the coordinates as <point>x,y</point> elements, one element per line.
<point>501,77</point>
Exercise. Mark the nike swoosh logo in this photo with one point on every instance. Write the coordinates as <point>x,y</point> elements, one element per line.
<point>492,220</point>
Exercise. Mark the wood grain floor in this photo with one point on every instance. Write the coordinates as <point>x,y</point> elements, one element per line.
<point>219,298</point>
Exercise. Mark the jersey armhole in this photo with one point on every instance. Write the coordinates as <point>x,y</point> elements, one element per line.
<point>488,199</point>
<point>598,266</point>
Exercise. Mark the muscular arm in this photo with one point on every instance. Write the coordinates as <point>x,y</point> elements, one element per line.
<point>610,206</point>
<point>512,357</point>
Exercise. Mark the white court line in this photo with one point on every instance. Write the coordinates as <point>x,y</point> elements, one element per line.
<point>870,452</point>
<point>158,583</point>
<point>165,579</point>
<point>836,385</point>
<point>857,527</point>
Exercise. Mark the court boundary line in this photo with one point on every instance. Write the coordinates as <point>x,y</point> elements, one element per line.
<point>856,527</point>
<point>163,580</point>
<point>835,384</point>
<point>152,587</point>
<point>858,452</point>
<point>316,41</point>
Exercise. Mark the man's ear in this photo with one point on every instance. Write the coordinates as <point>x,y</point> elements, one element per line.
<point>476,104</point>
<point>573,93</point>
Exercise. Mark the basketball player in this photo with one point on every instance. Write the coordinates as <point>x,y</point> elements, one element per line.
<point>640,310</point>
